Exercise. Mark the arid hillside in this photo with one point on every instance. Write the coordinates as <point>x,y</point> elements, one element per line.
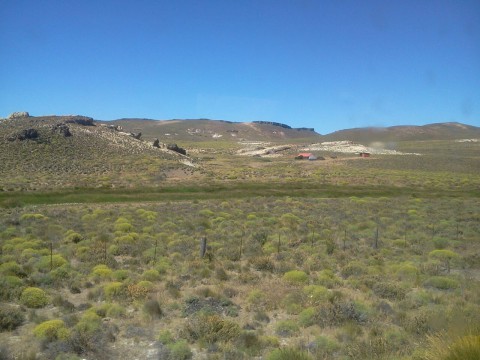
<point>76,151</point>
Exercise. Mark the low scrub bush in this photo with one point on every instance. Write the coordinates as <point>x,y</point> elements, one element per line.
<point>179,350</point>
<point>288,354</point>
<point>210,329</point>
<point>339,313</point>
<point>262,263</point>
<point>33,297</point>
<point>316,294</point>
<point>47,263</point>
<point>11,287</point>
<point>10,317</point>
<point>463,348</point>
<point>113,290</point>
<point>102,272</point>
<point>11,268</point>
<point>296,277</point>
<point>52,330</point>
<point>323,347</point>
<point>116,311</point>
<point>391,291</point>
<point>151,275</point>
<point>152,309</point>
<point>354,268</point>
<point>286,328</point>
<point>307,317</point>
<point>441,283</point>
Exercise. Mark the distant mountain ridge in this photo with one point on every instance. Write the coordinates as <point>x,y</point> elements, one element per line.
<point>206,129</point>
<point>435,131</point>
<point>264,130</point>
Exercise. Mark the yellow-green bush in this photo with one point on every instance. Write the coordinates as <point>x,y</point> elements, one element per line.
<point>52,330</point>
<point>89,322</point>
<point>47,262</point>
<point>113,290</point>
<point>315,294</point>
<point>307,317</point>
<point>10,268</point>
<point>441,282</point>
<point>34,297</point>
<point>151,275</point>
<point>295,277</point>
<point>144,284</point>
<point>102,271</point>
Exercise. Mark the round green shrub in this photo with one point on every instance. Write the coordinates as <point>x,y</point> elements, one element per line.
<point>52,330</point>
<point>102,271</point>
<point>33,297</point>
<point>296,277</point>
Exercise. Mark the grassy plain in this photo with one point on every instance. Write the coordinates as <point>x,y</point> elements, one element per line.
<point>344,258</point>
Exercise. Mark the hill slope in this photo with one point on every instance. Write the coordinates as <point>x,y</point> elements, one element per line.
<point>57,151</point>
<point>440,131</point>
<point>205,129</point>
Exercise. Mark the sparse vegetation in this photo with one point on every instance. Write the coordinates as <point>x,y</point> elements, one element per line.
<point>339,260</point>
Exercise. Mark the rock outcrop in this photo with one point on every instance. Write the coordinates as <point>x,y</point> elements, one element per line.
<point>27,134</point>
<point>136,135</point>
<point>176,148</point>
<point>80,120</point>
<point>18,114</point>
<point>61,129</point>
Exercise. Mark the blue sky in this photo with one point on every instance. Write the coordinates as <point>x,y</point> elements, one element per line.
<point>324,64</point>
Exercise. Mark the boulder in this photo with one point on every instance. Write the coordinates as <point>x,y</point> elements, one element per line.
<point>18,114</point>
<point>136,135</point>
<point>62,129</point>
<point>176,148</point>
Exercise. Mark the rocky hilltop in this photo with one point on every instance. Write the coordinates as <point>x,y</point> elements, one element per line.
<point>74,150</point>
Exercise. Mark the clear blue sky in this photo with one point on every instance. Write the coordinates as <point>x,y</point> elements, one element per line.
<point>323,64</point>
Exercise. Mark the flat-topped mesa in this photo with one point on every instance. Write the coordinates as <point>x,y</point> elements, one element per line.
<point>272,123</point>
<point>18,115</point>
